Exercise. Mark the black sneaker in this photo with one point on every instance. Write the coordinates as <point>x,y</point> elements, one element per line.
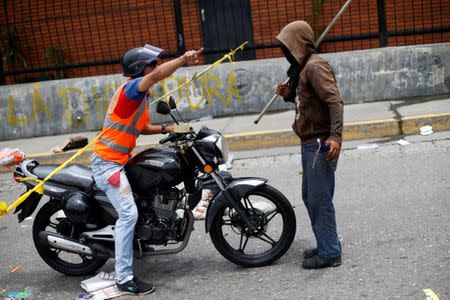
<point>136,287</point>
<point>310,252</point>
<point>316,262</point>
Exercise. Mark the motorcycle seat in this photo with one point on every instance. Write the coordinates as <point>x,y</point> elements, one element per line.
<point>74,175</point>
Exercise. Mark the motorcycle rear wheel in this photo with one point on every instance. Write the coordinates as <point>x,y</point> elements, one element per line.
<point>62,261</point>
<point>263,205</point>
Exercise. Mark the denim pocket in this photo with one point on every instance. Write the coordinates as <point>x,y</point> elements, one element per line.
<point>102,170</point>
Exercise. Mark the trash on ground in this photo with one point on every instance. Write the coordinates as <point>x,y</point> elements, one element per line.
<point>100,281</point>
<point>17,295</point>
<point>228,164</point>
<point>10,157</point>
<point>199,211</point>
<point>74,142</point>
<point>101,286</point>
<point>367,146</point>
<point>403,142</point>
<point>15,269</point>
<point>107,293</point>
<point>426,130</point>
<point>83,297</point>
<point>29,218</point>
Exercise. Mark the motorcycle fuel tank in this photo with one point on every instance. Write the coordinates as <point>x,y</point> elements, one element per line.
<point>158,166</point>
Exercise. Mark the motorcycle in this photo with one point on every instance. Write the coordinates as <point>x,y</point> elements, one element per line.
<point>250,223</point>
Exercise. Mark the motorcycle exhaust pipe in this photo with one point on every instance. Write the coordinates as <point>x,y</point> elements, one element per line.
<point>57,241</point>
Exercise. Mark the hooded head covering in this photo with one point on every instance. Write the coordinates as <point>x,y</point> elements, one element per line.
<point>298,38</point>
<point>297,44</point>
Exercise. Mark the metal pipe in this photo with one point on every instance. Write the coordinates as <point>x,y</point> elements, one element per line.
<point>338,15</point>
<point>268,105</point>
<point>316,44</point>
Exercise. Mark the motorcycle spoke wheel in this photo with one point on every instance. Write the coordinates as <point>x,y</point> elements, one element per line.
<point>268,233</point>
<point>274,228</point>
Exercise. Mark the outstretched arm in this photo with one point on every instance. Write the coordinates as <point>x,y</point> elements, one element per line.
<point>167,69</point>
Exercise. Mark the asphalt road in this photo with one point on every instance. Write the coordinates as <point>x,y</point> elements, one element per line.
<point>393,214</point>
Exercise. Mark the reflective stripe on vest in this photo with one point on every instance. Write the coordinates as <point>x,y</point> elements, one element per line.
<point>120,127</point>
<point>131,129</point>
<point>114,146</point>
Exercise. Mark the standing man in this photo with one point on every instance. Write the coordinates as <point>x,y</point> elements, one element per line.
<point>127,117</point>
<point>318,123</point>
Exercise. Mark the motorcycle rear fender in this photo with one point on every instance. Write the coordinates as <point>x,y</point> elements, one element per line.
<point>236,189</point>
<point>26,208</point>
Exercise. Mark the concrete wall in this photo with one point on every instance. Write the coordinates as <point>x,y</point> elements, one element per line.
<point>75,105</point>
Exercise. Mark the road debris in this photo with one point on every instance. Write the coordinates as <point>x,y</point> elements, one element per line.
<point>15,269</point>
<point>426,130</point>
<point>367,146</point>
<point>100,281</point>
<point>403,142</point>
<point>107,293</point>
<point>10,157</point>
<point>17,295</point>
<point>430,294</point>
<point>75,142</point>
<point>82,296</point>
<point>101,286</point>
<point>199,211</point>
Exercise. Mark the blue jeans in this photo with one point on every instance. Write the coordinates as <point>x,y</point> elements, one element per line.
<point>122,199</point>
<point>317,194</point>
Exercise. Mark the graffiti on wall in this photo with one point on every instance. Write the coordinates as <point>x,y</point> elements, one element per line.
<point>75,102</point>
<point>85,106</point>
<point>204,92</point>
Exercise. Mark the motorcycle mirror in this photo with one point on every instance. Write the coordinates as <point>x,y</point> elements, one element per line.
<point>163,108</point>
<point>172,103</point>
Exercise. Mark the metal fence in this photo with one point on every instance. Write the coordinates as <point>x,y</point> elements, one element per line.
<point>55,39</point>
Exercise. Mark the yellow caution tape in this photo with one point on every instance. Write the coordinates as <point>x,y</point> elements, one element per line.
<point>30,179</point>
<point>430,294</point>
<point>4,208</point>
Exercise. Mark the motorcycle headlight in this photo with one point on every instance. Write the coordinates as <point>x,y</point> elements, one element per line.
<point>222,145</point>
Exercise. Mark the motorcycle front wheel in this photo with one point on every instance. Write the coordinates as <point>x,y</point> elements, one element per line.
<point>274,219</point>
<point>51,218</point>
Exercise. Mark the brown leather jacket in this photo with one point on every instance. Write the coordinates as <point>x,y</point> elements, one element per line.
<point>319,112</point>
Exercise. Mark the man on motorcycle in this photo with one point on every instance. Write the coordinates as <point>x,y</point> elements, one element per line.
<point>318,123</point>
<point>127,117</point>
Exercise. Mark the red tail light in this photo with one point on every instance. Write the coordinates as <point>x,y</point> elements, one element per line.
<point>16,177</point>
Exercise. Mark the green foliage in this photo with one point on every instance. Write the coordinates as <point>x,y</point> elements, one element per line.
<point>12,55</point>
<point>317,6</point>
<point>56,56</point>
<point>318,28</point>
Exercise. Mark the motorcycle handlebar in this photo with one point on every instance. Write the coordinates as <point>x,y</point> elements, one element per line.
<point>170,138</point>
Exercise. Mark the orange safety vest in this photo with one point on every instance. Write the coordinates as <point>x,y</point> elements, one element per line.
<point>118,137</point>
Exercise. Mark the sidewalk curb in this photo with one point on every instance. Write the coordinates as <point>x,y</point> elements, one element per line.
<point>286,137</point>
